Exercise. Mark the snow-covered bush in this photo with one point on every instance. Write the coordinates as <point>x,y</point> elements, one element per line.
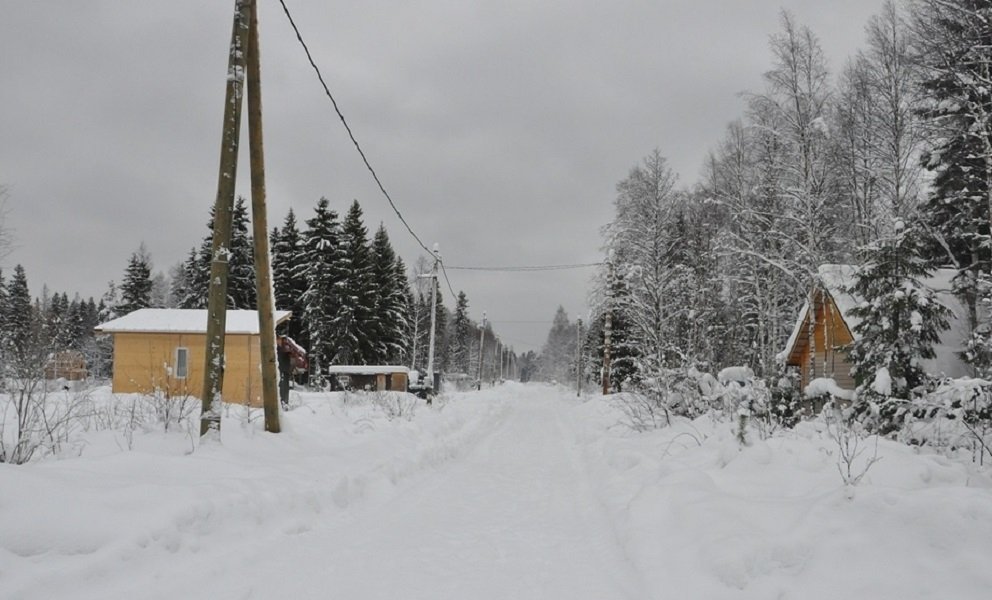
<point>853,444</point>
<point>36,422</point>
<point>395,405</point>
<point>641,411</point>
<point>786,405</point>
<point>954,414</point>
<point>654,401</point>
<point>747,398</point>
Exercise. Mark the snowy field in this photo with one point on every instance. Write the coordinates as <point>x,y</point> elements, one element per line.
<point>514,493</point>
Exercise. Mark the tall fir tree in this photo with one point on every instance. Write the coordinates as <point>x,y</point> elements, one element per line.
<point>136,287</point>
<point>558,354</point>
<point>442,343</point>
<point>241,293</point>
<point>76,332</point>
<point>20,318</point>
<point>4,310</point>
<point>899,321</point>
<point>240,264</point>
<point>954,47</point>
<point>322,299</point>
<point>289,275</point>
<point>356,322</point>
<point>461,336</point>
<point>190,289</point>
<point>390,309</point>
<point>404,354</point>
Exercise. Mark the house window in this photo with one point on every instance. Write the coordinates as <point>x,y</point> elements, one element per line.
<point>181,369</point>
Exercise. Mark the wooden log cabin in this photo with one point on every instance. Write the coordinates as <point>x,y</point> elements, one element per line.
<point>162,350</point>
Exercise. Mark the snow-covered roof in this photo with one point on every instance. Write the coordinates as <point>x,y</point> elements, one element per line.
<point>366,369</point>
<point>837,279</point>
<point>182,320</point>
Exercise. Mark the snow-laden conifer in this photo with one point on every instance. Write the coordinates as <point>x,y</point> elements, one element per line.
<point>899,321</point>
<point>322,299</point>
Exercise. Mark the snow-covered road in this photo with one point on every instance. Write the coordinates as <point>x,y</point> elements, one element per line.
<point>515,517</point>
<point>493,502</point>
<point>513,493</point>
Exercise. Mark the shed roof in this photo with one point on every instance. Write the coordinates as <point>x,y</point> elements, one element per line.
<point>366,369</point>
<point>183,320</point>
<point>837,279</point>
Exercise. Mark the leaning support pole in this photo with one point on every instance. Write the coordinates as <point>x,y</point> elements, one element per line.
<point>260,231</point>
<point>213,362</point>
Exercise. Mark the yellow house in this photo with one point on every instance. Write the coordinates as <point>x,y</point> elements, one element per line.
<point>834,325</point>
<point>158,349</point>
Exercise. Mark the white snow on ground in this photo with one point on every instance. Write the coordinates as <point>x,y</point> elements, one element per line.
<point>516,492</point>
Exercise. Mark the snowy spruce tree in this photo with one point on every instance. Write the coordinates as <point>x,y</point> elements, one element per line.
<point>953,39</point>
<point>462,335</point>
<point>136,286</point>
<point>241,261</point>
<point>241,266</point>
<point>4,310</point>
<point>190,290</point>
<point>21,322</point>
<point>623,353</point>
<point>289,275</point>
<point>390,303</point>
<point>356,321</point>
<point>558,356</point>
<point>899,321</point>
<point>322,298</point>
<point>402,274</point>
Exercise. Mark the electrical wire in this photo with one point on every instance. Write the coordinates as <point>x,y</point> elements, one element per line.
<point>382,187</point>
<point>530,268</point>
<point>454,296</point>
<point>351,135</point>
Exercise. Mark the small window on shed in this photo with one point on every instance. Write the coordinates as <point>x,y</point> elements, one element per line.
<point>182,363</point>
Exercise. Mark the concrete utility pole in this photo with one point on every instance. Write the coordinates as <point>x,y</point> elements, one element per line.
<point>482,339</point>
<point>578,359</point>
<point>213,367</point>
<point>430,350</point>
<point>260,231</point>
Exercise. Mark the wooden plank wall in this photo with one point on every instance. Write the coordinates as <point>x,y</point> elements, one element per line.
<point>831,336</point>
<point>143,363</point>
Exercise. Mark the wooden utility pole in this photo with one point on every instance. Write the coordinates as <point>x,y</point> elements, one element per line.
<point>213,367</point>
<point>260,231</point>
<point>608,328</point>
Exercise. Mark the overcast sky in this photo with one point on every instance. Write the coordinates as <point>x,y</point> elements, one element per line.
<point>499,127</point>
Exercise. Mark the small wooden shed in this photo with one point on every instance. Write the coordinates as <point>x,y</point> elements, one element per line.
<point>376,378</point>
<point>157,349</point>
<point>833,329</point>
<point>67,364</point>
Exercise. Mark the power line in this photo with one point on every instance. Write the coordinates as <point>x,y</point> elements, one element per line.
<point>527,268</point>
<point>545,322</point>
<point>344,122</point>
<point>454,296</point>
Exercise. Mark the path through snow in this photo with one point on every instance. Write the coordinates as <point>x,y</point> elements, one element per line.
<point>517,492</point>
<point>515,518</point>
